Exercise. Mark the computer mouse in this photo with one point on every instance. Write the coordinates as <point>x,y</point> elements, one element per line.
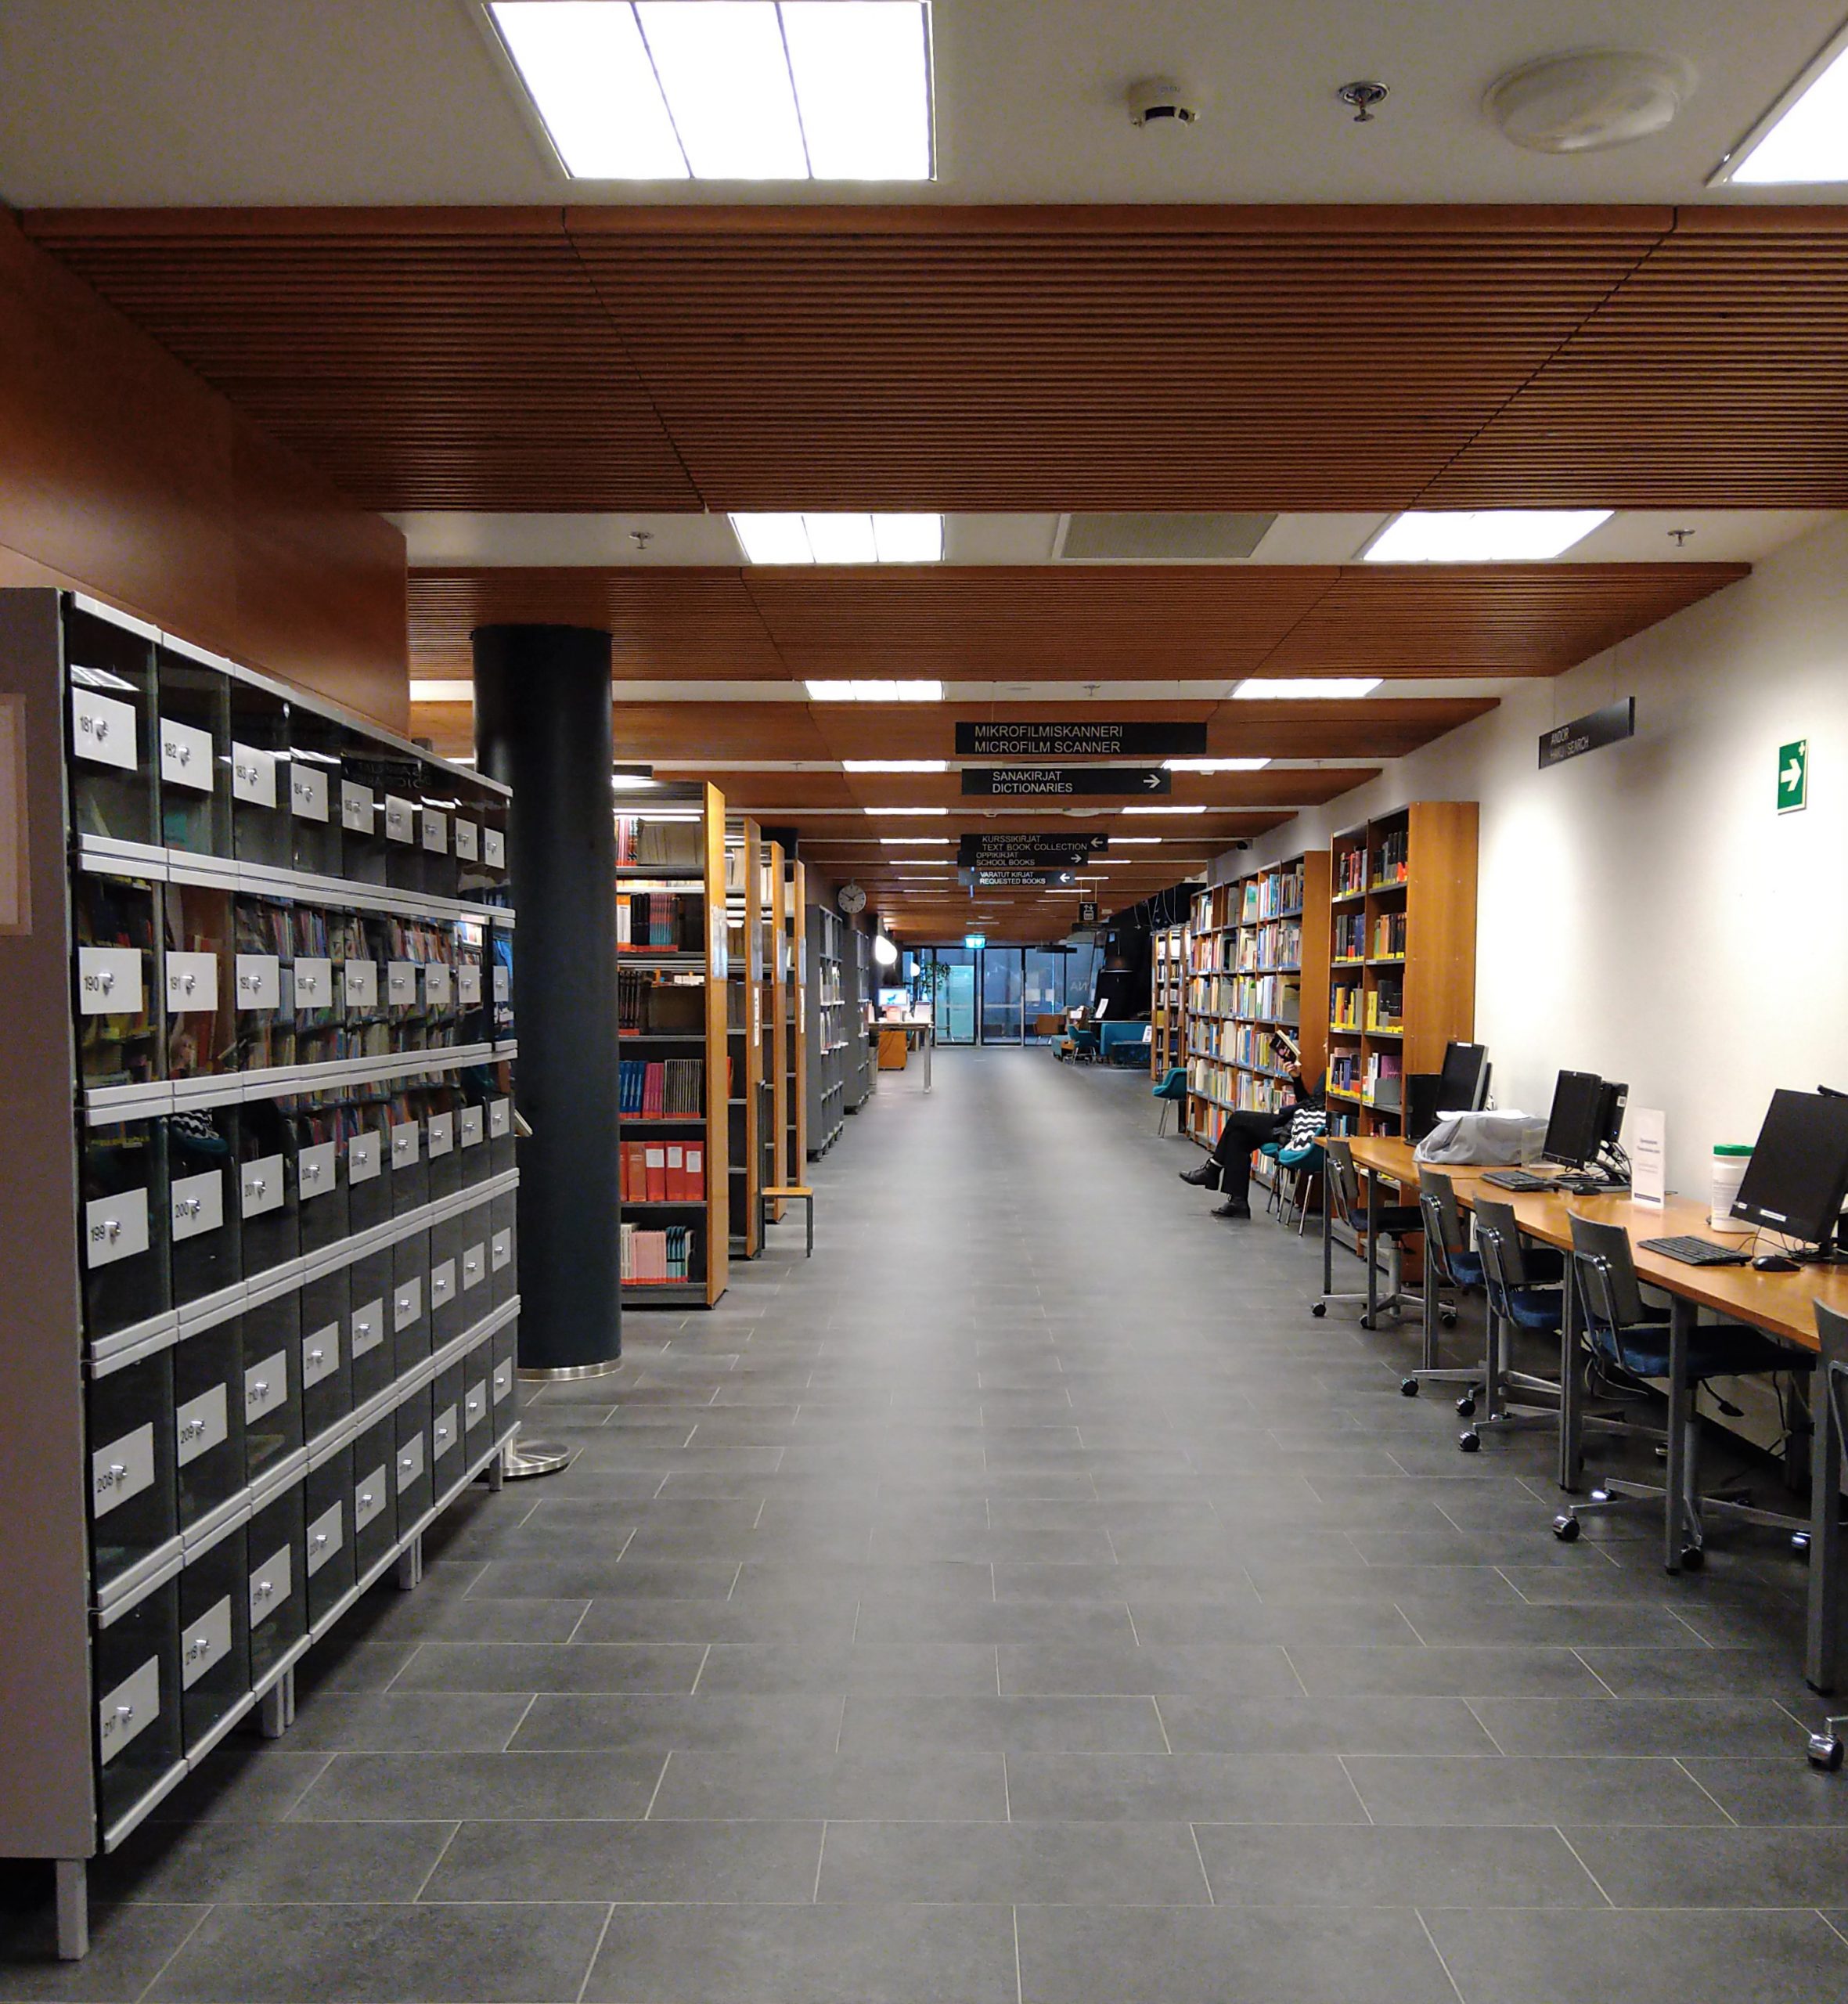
<point>1773,1263</point>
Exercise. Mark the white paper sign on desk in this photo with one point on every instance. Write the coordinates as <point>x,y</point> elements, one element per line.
<point>1648,1155</point>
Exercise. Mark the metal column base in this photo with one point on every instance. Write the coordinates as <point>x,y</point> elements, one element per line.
<point>73,1909</point>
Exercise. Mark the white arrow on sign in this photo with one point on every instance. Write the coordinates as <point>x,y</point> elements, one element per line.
<point>1791,773</point>
<point>1152,781</point>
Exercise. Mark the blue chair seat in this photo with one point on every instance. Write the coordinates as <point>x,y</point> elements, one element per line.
<point>1725,1349</point>
<point>1173,1085</point>
<point>1538,1308</point>
<point>1294,1158</point>
<point>1467,1268</point>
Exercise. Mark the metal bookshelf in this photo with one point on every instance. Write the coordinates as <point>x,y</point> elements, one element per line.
<point>829,1023</point>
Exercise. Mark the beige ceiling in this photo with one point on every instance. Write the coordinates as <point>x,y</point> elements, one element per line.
<point>146,102</point>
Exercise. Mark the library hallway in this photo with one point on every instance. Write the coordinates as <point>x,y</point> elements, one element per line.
<point>1022,1602</point>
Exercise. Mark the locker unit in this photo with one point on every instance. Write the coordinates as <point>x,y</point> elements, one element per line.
<point>262,1295</point>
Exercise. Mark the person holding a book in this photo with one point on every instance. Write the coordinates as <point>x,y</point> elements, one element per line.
<point>1298,1121</point>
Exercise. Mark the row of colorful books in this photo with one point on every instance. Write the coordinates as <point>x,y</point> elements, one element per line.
<point>657,1258</point>
<point>661,1089</point>
<point>663,1172</point>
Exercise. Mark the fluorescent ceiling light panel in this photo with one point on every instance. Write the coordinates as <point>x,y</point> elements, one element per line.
<point>1216,765</point>
<point>1307,688</point>
<point>1483,535</point>
<point>841,538</point>
<point>836,539</point>
<point>442,692</point>
<point>1807,142</point>
<point>772,538</point>
<point>895,765</point>
<point>914,842</point>
<point>877,811</point>
<point>726,80</point>
<point>1168,809</point>
<point>875,692</point>
<point>908,538</point>
<point>1139,841</point>
<point>586,69</point>
<point>863,76</point>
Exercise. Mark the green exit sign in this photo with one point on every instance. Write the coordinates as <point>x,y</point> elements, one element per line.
<point>1793,775</point>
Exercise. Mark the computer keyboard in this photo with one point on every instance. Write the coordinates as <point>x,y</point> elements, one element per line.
<point>1693,1252</point>
<point>1518,1179</point>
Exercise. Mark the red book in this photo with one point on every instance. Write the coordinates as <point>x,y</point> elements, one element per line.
<point>658,1171</point>
<point>676,1175</point>
<point>696,1170</point>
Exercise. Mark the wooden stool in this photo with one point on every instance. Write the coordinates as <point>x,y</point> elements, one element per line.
<point>791,1193</point>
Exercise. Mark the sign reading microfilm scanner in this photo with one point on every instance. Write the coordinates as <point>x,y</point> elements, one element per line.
<point>992,851</point>
<point>993,738</point>
<point>1609,725</point>
<point>1049,782</point>
<point>1793,775</point>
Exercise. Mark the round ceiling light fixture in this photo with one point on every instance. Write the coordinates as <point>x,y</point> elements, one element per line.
<point>1588,100</point>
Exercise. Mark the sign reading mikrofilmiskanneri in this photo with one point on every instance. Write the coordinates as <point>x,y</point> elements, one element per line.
<point>1609,725</point>
<point>993,738</point>
<point>994,851</point>
<point>1053,782</point>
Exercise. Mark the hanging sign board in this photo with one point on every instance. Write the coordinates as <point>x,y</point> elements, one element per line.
<point>995,879</point>
<point>1050,782</point>
<point>992,851</point>
<point>988,738</point>
<point>1609,725</point>
<point>1087,911</point>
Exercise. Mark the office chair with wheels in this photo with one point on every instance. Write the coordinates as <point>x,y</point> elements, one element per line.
<point>1829,1419</point>
<point>1171,1092</point>
<point>1450,1265</point>
<point>1626,1334</point>
<point>1343,1209</point>
<point>1522,1283</point>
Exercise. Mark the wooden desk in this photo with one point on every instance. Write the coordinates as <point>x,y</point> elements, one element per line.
<point>1781,1304</point>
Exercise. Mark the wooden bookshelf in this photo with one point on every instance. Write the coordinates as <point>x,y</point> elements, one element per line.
<point>744,1032</point>
<point>1168,1000</point>
<point>793,1162</point>
<point>1257,960</point>
<point>671,963</point>
<point>1402,973</point>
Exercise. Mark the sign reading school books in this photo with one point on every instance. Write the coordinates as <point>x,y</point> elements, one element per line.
<point>995,850</point>
<point>1052,782</point>
<point>1609,725</point>
<point>994,738</point>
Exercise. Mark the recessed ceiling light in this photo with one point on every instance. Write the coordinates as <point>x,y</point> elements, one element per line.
<point>877,811</point>
<point>1805,138</point>
<point>914,842</point>
<point>1216,765</point>
<point>1296,689</point>
<point>895,765</point>
<point>1139,841</point>
<point>940,864</point>
<point>875,692</point>
<point>1168,808</point>
<point>1588,100</point>
<point>442,692</point>
<point>832,539</point>
<point>737,90</point>
<point>1483,535</point>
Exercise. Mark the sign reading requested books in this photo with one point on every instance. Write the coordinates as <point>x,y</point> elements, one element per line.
<point>1049,782</point>
<point>1609,725</point>
<point>995,738</point>
<point>992,879</point>
<point>994,850</point>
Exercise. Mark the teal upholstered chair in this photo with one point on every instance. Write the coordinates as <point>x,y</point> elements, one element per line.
<point>1171,1092</point>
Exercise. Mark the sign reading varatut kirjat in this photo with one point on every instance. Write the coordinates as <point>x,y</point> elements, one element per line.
<point>1609,725</point>
<point>1010,851</point>
<point>1051,782</point>
<point>986,879</point>
<point>988,738</point>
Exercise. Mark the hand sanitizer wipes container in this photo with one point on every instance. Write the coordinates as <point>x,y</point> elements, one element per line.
<point>1730,1159</point>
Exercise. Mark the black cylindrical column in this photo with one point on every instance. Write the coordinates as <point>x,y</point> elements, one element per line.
<point>543,727</point>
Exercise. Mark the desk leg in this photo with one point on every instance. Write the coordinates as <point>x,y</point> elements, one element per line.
<point>1373,1235</point>
<point>929,1041</point>
<point>1828,1403</point>
<point>1572,1396</point>
<point>1327,1236</point>
<point>1680,1410</point>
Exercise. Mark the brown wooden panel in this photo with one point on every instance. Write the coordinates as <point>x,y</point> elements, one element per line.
<point>126,476</point>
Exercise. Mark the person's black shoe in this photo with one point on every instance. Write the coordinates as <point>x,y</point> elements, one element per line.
<point>1197,1176</point>
<point>1233,1209</point>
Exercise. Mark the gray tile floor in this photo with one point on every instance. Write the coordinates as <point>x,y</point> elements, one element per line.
<point>1024,1601</point>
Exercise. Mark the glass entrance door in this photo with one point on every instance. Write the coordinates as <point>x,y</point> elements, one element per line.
<point>1002,994</point>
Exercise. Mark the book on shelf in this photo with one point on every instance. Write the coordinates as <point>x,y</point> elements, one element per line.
<point>658,1257</point>
<point>641,842</point>
<point>1349,872</point>
<point>660,921</point>
<point>1348,941</point>
<point>648,1006</point>
<point>661,1089</point>
<point>1392,861</point>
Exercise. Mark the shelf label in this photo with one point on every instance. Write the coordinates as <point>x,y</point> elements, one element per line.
<point>356,808</point>
<point>192,983</point>
<point>468,838</point>
<point>115,1227</point>
<point>307,790</point>
<point>253,776</point>
<point>102,729</point>
<point>185,756</point>
<point>109,981</point>
<point>207,1643</point>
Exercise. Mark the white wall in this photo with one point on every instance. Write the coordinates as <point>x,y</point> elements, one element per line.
<point>1644,911</point>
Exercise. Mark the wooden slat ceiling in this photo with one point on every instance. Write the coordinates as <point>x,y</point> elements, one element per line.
<point>1010,622</point>
<point>1348,358</point>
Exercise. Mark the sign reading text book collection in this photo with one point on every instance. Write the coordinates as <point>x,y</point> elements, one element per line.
<point>995,850</point>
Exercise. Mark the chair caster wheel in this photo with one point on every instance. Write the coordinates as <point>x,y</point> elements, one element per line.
<point>1466,1406</point>
<point>1693,1560</point>
<point>1800,1544</point>
<point>1471,1442</point>
<point>1447,1316</point>
<point>1408,1388</point>
<point>1825,1752</point>
<point>1566,1529</point>
<point>1318,1309</point>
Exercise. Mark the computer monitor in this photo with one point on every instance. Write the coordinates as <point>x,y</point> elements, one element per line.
<point>1463,1084</point>
<point>1798,1175</point>
<point>1574,1127</point>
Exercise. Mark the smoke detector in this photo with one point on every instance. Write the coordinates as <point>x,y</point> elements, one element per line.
<point>1588,100</point>
<point>1161,101</point>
